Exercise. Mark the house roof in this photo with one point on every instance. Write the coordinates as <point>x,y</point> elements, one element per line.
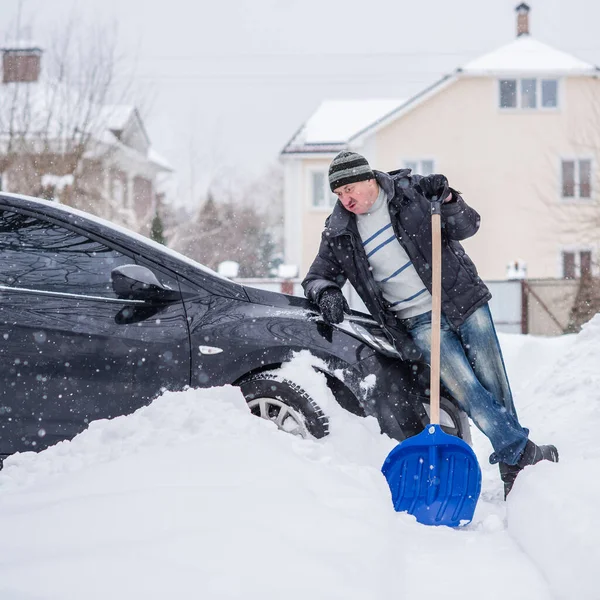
<point>116,116</point>
<point>159,160</point>
<point>48,108</point>
<point>22,45</point>
<point>335,122</point>
<point>528,55</point>
<point>338,123</point>
<point>339,120</point>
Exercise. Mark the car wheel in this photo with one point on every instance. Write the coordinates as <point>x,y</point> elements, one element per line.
<point>453,420</point>
<point>273,397</point>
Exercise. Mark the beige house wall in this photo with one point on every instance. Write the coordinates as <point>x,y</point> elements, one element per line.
<point>505,162</point>
<point>313,218</point>
<point>507,165</point>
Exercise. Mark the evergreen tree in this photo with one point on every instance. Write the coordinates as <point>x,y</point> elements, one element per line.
<point>210,218</point>
<point>157,230</point>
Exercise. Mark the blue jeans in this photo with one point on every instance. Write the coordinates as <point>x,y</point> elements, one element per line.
<point>473,371</point>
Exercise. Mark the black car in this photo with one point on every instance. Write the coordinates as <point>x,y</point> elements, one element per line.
<point>95,321</point>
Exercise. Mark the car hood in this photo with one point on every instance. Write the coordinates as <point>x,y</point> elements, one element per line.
<point>276,299</point>
<point>358,325</point>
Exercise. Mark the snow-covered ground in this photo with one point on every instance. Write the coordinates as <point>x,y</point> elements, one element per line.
<point>192,497</point>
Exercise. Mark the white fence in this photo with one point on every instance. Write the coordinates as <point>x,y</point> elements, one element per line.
<point>506,305</point>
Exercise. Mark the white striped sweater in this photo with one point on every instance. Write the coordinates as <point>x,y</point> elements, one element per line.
<point>391,267</point>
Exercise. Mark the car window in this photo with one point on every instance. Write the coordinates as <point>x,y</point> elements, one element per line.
<point>40,255</point>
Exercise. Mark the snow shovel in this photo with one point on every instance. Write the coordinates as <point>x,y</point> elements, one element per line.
<point>433,475</point>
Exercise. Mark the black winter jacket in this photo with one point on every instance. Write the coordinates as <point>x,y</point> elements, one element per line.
<point>342,257</point>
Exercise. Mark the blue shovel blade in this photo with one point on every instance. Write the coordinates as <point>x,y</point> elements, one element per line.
<point>435,477</point>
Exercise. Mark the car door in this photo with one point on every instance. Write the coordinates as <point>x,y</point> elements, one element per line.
<point>70,350</point>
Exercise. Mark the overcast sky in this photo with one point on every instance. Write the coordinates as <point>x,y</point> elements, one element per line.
<point>232,80</point>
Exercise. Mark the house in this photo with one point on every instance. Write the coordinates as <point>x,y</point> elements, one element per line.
<point>512,130</point>
<point>63,142</point>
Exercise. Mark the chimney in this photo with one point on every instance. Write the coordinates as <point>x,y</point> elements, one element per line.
<point>21,63</point>
<point>522,19</point>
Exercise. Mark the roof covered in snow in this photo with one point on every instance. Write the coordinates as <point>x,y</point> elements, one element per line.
<point>159,160</point>
<point>339,120</point>
<point>50,109</point>
<point>336,123</point>
<point>21,45</point>
<point>527,55</point>
<point>116,116</point>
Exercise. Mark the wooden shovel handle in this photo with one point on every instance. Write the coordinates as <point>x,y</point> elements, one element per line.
<point>436,311</point>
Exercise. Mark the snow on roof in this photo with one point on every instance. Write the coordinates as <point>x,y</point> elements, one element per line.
<point>526,54</point>
<point>21,45</point>
<point>158,159</point>
<point>50,107</point>
<point>47,107</point>
<point>338,120</point>
<point>116,115</point>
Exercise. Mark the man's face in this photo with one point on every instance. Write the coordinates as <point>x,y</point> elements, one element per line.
<point>358,197</point>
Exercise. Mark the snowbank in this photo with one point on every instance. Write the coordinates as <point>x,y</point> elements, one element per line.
<point>192,496</point>
<point>552,511</point>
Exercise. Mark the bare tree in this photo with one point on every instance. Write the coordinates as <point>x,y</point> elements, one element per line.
<point>54,129</point>
<point>237,222</point>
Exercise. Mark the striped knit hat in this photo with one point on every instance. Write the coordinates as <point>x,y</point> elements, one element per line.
<point>348,167</point>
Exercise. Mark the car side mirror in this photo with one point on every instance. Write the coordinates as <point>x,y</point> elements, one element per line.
<point>134,282</point>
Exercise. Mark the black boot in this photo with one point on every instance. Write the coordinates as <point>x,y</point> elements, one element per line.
<point>531,455</point>
<point>508,474</point>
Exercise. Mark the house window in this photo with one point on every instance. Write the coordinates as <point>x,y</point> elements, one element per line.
<point>576,263</point>
<point>420,167</point>
<point>508,93</point>
<point>528,93</point>
<point>528,97</point>
<point>549,93</point>
<point>322,196</point>
<point>576,178</point>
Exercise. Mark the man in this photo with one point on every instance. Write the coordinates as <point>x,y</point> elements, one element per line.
<point>379,238</point>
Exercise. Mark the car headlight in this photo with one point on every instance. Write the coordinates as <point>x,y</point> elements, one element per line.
<point>377,342</point>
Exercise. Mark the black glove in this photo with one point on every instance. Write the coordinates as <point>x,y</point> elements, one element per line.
<point>434,185</point>
<point>332,305</point>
